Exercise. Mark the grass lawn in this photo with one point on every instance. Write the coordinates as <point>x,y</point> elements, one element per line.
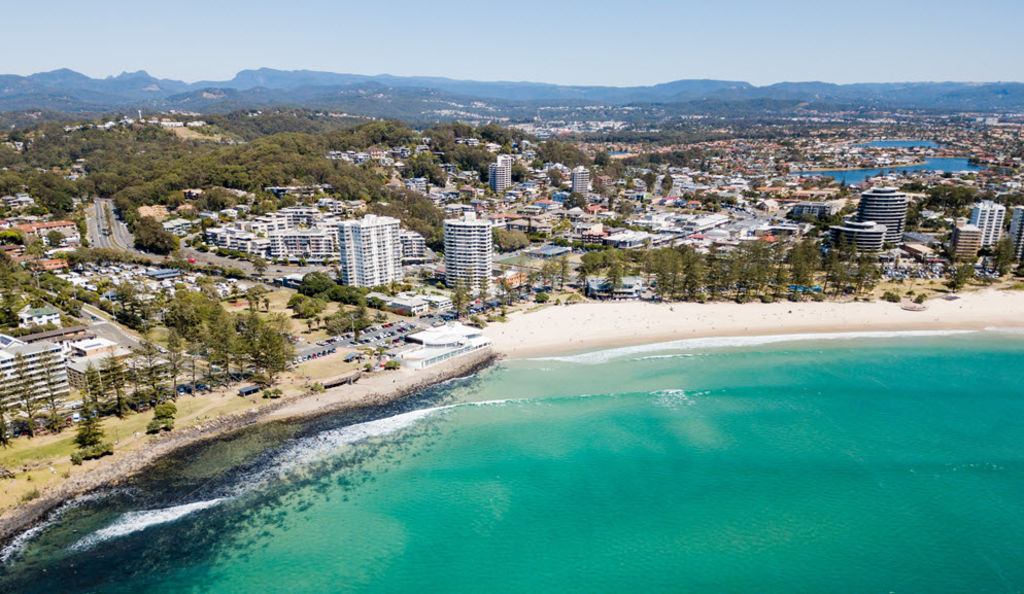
<point>39,454</point>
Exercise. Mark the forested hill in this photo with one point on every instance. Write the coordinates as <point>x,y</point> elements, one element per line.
<point>438,98</point>
<point>139,165</point>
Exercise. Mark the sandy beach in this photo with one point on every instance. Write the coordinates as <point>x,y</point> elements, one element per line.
<point>586,326</point>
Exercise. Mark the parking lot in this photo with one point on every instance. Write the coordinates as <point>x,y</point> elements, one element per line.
<point>388,336</point>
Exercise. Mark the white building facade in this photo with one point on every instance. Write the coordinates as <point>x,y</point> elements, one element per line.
<point>499,173</point>
<point>370,251</point>
<point>988,216</point>
<point>468,252</point>
<point>581,180</point>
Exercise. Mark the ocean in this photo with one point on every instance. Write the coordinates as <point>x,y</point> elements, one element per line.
<point>843,463</point>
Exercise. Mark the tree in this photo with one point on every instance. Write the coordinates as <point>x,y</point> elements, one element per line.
<point>316,283</point>
<point>175,359</point>
<point>52,367</point>
<point>163,418</point>
<point>265,345</point>
<point>4,439</point>
<point>260,265</point>
<point>666,184</point>
<point>54,238</point>
<point>113,373</point>
<point>152,367</point>
<point>255,295</point>
<point>150,236</point>
<point>220,340</point>
<point>1003,256</point>
<point>576,200</point>
<point>960,275</point>
<point>460,298</point>
<point>90,433</point>
<point>23,393</point>
<point>563,271</point>
<point>510,241</point>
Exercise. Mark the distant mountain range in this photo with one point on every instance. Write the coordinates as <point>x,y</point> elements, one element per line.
<point>399,96</point>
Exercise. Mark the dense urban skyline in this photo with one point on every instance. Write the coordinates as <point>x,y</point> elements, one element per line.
<point>651,43</point>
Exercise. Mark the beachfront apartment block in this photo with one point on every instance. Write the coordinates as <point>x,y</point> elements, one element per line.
<point>468,252</point>
<point>887,207</point>
<point>31,370</point>
<point>988,217</point>
<point>863,236</point>
<point>370,251</point>
<point>580,180</point>
<point>1017,231</point>
<point>499,173</point>
<point>966,241</point>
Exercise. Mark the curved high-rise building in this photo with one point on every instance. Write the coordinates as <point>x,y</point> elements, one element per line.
<point>864,237</point>
<point>885,206</point>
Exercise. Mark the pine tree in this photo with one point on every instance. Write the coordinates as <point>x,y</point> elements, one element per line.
<point>113,373</point>
<point>89,431</point>
<point>24,393</point>
<point>52,368</point>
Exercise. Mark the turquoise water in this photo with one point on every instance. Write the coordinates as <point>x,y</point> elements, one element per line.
<point>873,463</point>
<point>853,177</point>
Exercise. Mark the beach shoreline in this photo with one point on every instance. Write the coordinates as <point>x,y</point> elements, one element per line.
<point>377,390</point>
<point>581,327</point>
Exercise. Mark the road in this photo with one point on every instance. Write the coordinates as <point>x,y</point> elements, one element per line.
<point>103,326</point>
<point>107,231</point>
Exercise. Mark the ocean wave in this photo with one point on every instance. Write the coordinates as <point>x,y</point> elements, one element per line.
<point>719,342</point>
<point>136,521</point>
<point>300,453</point>
<point>1005,329</point>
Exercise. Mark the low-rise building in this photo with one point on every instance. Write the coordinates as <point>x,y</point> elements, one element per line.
<point>30,317</point>
<point>435,345</point>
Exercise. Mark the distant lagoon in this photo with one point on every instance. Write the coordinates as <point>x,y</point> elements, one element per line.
<point>855,176</point>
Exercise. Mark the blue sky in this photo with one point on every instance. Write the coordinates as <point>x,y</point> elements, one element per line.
<point>569,42</point>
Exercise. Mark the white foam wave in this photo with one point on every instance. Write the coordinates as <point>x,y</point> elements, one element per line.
<point>140,520</point>
<point>603,356</point>
<point>302,452</point>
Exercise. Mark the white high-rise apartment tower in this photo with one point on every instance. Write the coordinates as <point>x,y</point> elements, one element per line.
<point>988,216</point>
<point>581,180</point>
<point>370,251</point>
<point>1017,231</point>
<point>468,252</point>
<point>499,173</point>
